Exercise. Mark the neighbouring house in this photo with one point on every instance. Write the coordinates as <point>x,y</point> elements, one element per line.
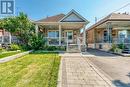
<point>64,30</point>
<point>6,38</point>
<point>113,29</point>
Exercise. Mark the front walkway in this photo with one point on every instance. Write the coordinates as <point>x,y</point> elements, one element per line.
<point>76,71</point>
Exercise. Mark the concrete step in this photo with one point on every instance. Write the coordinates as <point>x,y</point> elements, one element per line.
<point>73,48</point>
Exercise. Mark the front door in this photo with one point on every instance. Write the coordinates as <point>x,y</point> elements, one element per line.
<point>69,35</point>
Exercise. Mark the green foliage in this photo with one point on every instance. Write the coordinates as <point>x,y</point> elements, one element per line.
<point>15,47</point>
<point>21,27</point>
<point>113,47</point>
<point>51,48</point>
<point>61,48</point>
<point>117,48</point>
<point>121,46</point>
<point>36,41</point>
<point>1,49</point>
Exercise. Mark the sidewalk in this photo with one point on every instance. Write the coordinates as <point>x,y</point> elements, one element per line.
<point>76,71</point>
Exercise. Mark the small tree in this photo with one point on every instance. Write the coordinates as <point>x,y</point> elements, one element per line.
<point>21,27</point>
<point>37,41</point>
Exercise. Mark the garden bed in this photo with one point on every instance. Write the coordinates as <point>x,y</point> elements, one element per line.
<point>37,69</point>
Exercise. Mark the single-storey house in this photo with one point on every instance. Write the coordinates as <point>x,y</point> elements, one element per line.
<point>113,29</point>
<point>64,30</point>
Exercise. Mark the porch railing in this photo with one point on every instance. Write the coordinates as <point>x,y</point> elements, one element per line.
<point>54,41</point>
<point>5,40</point>
<point>121,40</point>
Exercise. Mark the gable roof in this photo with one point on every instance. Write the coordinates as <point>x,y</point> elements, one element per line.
<point>82,19</point>
<point>61,17</point>
<point>111,17</point>
<point>55,18</point>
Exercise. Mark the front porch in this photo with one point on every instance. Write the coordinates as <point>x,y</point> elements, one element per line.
<point>63,35</point>
<point>64,30</point>
<point>112,33</point>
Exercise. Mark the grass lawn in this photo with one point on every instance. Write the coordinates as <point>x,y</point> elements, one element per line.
<point>9,54</point>
<point>33,70</point>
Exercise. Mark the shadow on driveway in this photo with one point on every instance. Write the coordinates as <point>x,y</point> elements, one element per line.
<point>101,53</point>
<point>119,83</point>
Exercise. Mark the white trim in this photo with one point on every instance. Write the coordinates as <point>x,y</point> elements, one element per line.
<point>57,23</point>
<point>73,11</point>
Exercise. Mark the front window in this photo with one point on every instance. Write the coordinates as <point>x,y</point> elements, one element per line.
<point>122,35</point>
<point>54,34</point>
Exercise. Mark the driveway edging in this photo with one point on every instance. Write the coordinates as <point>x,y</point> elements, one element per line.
<point>59,82</point>
<point>9,58</point>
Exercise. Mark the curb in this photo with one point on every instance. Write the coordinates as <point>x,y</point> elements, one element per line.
<point>9,58</point>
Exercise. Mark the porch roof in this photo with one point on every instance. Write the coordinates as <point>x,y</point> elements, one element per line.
<point>113,17</point>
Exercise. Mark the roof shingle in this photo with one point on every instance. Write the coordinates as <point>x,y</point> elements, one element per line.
<point>55,18</point>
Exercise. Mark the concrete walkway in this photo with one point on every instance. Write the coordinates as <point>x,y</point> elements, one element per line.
<point>76,71</point>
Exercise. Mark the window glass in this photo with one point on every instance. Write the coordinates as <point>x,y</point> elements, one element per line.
<point>53,34</point>
<point>56,34</point>
<point>105,36</point>
<point>70,35</point>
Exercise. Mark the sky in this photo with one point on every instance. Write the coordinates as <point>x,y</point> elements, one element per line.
<point>38,9</point>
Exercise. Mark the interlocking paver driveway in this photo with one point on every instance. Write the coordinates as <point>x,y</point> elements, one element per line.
<point>75,71</point>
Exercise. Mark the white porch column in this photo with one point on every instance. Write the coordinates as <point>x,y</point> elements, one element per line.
<point>94,37</point>
<point>84,36</point>
<point>109,30</point>
<point>36,29</point>
<point>60,35</point>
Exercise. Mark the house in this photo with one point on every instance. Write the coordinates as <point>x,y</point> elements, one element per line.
<point>64,30</point>
<point>113,29</point>
<point>5,37</point>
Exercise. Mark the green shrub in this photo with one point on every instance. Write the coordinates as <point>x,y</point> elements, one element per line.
<point>121,46</point>
<point>51,48</point>
<point>37,42</point>
<point>61,48</point>
<point>2,49</point>
<point>14,47</point>
<point>113,47</point>
<point>118,50</point>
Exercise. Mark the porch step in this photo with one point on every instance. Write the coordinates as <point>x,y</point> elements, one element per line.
<point>73,48</point>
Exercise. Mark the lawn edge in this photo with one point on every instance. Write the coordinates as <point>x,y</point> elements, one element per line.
<point>9,58</point>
